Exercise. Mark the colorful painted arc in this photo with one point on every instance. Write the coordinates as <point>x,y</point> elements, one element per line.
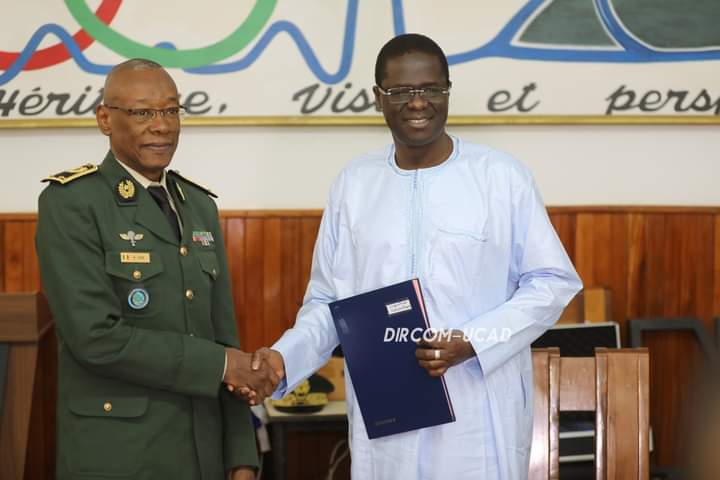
<point>47,57</point>
<point>194,57</point>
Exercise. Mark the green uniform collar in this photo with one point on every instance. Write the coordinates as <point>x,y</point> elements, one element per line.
<point>128,193</point>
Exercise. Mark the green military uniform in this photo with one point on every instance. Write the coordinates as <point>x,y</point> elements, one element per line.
<point>142,319</point>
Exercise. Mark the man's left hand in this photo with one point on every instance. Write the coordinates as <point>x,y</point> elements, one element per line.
<point>446,350</point>
<point>242,473</point>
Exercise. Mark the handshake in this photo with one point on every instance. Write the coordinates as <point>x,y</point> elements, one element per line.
<point>252,377</point>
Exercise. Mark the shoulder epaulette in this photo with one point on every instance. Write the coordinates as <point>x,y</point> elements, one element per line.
<point>68,176</point>
<point>204,189</point>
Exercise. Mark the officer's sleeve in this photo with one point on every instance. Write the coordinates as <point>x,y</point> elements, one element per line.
<point>239,433</point>
<point>87,311</point>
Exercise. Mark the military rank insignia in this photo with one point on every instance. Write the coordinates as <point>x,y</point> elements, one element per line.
<point>126,190</point>
<point>180,192</point>
<point>204,189</point>
<point>138,298</point>
<point>132,237</point>
<point>69,175</point>
<point>203,238</point>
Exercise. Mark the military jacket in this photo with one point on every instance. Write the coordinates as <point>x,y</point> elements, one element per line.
<point>142,320</point>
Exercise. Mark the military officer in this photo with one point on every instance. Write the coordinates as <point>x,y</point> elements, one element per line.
<point>133,264</point>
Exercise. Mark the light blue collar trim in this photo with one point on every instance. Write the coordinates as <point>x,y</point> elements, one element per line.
<point>424,171</point>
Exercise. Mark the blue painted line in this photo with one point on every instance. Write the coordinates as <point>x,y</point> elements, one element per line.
<point>305,49</point>
<point>32,46</point>
<point>398,17</point>
<point>620,34</point>
<point>499,47</point>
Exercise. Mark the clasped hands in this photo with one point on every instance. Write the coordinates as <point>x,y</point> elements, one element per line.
<point>252,377</point>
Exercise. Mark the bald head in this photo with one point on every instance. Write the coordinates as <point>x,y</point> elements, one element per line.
<point>118,77</point>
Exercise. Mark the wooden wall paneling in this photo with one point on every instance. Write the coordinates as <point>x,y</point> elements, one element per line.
<point>671,267</point>
<point>564,224</point>
<point>3,256</point>
<point>14,242</point>
<point>675,364</point>
<point>291,289</point>
<point>649,275</point>
<point>20,269</point>
<point>601,257</point>
<point>235,246</point>
<point>30,262</point>
<point>273,273</point>
<point>716,270</point>
<point>309,230</point>
<point>696,249</point>
<point>670,275</point>
<point>254,304</point>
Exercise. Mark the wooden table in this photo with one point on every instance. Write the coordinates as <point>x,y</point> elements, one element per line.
<point>331,418</point>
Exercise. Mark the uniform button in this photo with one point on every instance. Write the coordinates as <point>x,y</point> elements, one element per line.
<point>107,406</point>
<point>214,273</point>
<point>183,251</point>
<point>137,274</point>
<point>192,334</point>
<point>189,294</point>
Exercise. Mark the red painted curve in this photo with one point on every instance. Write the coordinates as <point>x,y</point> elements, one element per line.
<point>50,56</point>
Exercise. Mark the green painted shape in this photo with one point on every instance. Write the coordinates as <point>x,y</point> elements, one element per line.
<point>190,58</point>
<point>672,23</point>
<point>568,22</point>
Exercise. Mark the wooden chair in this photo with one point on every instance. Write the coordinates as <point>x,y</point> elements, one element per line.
<point>613,384</point>
<point>28,359</point>
<point>544,455</point>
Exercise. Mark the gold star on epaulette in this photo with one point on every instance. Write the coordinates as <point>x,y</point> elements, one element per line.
<point>69,175</point>
<point>204,189</point>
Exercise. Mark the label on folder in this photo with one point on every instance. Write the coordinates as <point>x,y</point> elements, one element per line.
<point>394,392</point>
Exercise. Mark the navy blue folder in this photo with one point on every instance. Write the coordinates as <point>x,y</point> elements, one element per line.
<point>395,394</point>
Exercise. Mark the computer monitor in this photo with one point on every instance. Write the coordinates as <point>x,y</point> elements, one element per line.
<point>580,339</point>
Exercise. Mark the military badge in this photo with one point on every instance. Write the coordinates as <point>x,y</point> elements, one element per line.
<point>132,237</point>
<point>138,298</point>
<point>126,190</point>
<point>203,238</point>
<point>72,174</point>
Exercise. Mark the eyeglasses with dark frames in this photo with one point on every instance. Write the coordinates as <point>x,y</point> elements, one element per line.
<point>142,115</point>
<point>401,95</point>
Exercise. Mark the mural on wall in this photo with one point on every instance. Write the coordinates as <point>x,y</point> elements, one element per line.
<point>264,58</point>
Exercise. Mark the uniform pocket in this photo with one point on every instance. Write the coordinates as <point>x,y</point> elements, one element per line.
<point>209,263</point>
<point>135,277</point>
<point>109,433</point>
<point>143,266</point>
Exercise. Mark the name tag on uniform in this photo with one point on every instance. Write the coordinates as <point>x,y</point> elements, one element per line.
<point>134,257</point>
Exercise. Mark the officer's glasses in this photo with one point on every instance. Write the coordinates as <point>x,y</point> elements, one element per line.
<point>402,95</point>
<point>142,115</point>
